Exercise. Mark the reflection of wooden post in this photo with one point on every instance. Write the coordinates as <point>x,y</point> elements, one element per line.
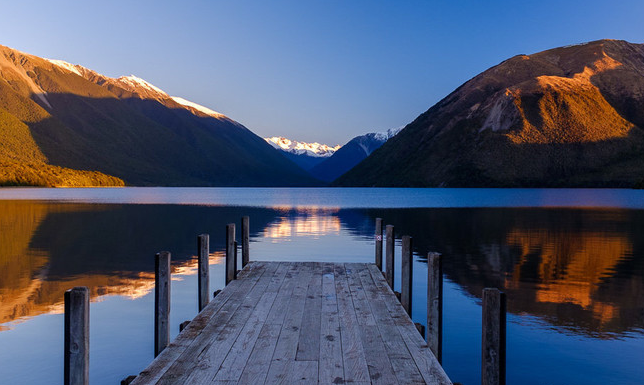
<point>231,266</point>
<point>389,274</point>
<point>435,304</point>
<point>161,302</point>
<point>245,241</point>
<point>76,336</point>
<point>379,243</point>
<point>493,341</point>
<point>203,280</point>
<point>407,274</point>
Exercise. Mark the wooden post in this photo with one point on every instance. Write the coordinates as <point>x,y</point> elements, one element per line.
<point>245,241</point>
<point>231,266</point>
<point>389,274</point>
<point>203,280</point>
<point>379,243</point>
<point>435,304</point>
<point>493,341</point>
<point>407,274</point>
<point>76,336</point>
<point>236,263</point>
<point>161,302</point>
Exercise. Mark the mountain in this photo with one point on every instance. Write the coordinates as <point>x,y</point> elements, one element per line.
<point>350,154</point>
<point>306,155</point>
<point>65,125</point>
<point>569,116</point>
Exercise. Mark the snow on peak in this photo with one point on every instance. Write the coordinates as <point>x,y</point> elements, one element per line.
<point>390,133</point>
<point>134,83</point>
<point>311,149</point>
<point>75,68</point>
<point>197,107</point>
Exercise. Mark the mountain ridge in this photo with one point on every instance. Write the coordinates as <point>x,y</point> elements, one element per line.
<point>74,118</point>
<point>568,116</point>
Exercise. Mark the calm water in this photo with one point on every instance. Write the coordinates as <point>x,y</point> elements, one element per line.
<point>571,262</point>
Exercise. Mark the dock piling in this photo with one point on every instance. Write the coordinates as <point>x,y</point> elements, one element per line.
<point>407,273</point>
<point>379,243</point>
<point>493,338</point>
<point>231,265</point>
<point>245,240</point>
<point>203,280</point>
<point>161,302</point>
<point>435,304</point>
<point>389,274</point>
<point>76,370</point>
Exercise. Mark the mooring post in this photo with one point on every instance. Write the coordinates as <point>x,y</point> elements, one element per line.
<point>435,304</point>
<point>389,274</point>
<point>203,280</point>
<point>231,265</point>
<point>493,341</point>
<point>76,336</point>
<point>379,243</point>
<point>245,241</point>
<point>236,263</point>
<point>161,302</point>
<point>407,274</point>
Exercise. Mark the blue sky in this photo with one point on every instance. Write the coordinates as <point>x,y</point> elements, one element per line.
<point>310,70</point>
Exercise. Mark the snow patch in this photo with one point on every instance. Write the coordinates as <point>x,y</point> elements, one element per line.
<point>67,66</point>
<point>135,82</point>
<point>197,107</point>
<point>386,135</point>
<point>311,149</point>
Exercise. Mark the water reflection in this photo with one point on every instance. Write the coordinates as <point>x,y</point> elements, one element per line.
<point>581,270</point>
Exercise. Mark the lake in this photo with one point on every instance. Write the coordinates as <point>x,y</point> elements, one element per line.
<point>570,260</point>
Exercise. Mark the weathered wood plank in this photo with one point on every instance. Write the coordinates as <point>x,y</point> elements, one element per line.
<point>435,304</point>
<point>199,325</point>
<point>380,369</point>
<point>493,338</point>
<point>245,229</point>
<point>259,362</point>
<point>390,247</point>
<point>308,346</point>
<point>378,238</point>
<point>286,348</point>
<point>331,368</point>
<point>203,280</point>
<point>360,302</point>
<point>161,301</point>
<point>76,369</point>
<point>353,356</point>
<point>231,263</point>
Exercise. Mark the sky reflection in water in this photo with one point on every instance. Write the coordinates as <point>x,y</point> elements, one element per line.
<point>574,278</point>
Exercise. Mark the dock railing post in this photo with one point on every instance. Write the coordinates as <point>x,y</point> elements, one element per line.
<point>493,338</point>
<point>231,265</point>
<point>389,273</point>
<point>203,280</point>
<point>435,304</point>
<point>161,302</point>
<point>378,237</point>
<point>245,241</point>
<point>76,370</point>
<point>407,273</point>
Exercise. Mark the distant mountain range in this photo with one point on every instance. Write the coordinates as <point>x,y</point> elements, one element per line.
<point>65,125</point>
<point>570,116</point>
<point>326,163</point>
<point>306,155</point>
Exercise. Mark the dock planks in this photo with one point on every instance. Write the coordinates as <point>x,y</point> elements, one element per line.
<point>299,323</point>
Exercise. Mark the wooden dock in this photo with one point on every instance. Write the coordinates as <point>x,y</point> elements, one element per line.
<point>299,323</point>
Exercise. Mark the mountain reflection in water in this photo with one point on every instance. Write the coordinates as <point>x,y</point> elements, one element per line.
<point>580,270</point>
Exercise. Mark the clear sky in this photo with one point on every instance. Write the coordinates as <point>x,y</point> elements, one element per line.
<point>309,70</point>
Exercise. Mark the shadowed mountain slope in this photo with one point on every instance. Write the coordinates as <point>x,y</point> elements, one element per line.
<point>569,116</point>
<point>55,117</point>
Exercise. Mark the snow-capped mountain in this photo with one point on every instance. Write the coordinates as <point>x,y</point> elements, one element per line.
<point>306,155</point>
<point>351,154</point>
<point>314,149</point>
